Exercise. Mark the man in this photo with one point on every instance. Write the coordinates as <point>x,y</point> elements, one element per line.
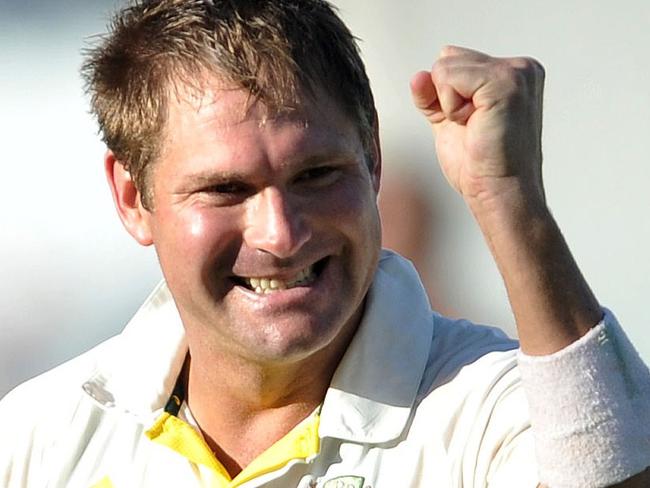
<point>284,348</point>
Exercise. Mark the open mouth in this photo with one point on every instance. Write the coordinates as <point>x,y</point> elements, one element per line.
<point>269,284</point>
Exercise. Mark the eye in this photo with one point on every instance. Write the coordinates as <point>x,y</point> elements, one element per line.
<point>226,193</point>
<point>320,175</point>
<point>227,188</point>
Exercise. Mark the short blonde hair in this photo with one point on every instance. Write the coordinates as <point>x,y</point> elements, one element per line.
<point>278,50</point>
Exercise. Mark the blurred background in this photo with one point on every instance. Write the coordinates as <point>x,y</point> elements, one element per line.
<point>71,277</point>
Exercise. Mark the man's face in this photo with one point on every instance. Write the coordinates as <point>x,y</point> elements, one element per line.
<point>266,228</point>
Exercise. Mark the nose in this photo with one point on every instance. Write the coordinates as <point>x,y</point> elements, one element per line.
<point>275,225</point>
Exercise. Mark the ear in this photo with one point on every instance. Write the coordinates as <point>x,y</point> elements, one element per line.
<point>134,217</point>
<point>376,153</point>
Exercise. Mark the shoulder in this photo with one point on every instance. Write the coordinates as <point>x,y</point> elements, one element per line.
<point>45,391</point>
<point>472,382</point>
<point>460,345</point>
<point>471,400</point>
<point>40,412</point>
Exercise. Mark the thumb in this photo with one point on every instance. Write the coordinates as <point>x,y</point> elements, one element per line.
<point>425,97</point>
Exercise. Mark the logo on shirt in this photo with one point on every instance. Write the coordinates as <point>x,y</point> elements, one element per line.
<point>345,482</point>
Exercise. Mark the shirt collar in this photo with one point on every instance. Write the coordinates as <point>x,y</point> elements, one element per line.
<point>375,385</point>
<point>138,371</point>
<point>372,391</point>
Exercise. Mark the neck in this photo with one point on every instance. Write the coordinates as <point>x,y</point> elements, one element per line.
<point>242,415</point>
<point>238,389</point>
<point>243,407</point>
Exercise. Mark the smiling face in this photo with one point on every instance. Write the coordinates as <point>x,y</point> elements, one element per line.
<point>266,228</point>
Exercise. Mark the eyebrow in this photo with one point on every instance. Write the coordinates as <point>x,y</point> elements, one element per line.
<point>337,156</point>
<point>211,177</point>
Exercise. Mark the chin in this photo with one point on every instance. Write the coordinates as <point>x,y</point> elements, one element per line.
<point>286,342</point>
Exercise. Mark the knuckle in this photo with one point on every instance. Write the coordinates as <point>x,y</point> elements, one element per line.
<point>531,68</point>
<point>506,72</point>
<point>510,81</point>
<point>448,50</point>
<point>521,75</point>
<point>539,69</point>
<point>441,70</point>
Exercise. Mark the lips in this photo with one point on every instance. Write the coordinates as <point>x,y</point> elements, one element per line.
<point>269,284</point>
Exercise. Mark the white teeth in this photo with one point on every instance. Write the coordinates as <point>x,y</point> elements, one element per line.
<point>269,285</point>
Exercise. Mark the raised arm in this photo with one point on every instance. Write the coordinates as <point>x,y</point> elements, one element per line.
<point>486,115</point>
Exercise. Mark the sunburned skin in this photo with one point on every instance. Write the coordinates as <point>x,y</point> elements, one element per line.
<point>265,225</point>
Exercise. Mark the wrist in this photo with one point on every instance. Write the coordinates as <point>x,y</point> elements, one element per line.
<point>512,216</point>
<point>594,430</point>
<point>507,204</point>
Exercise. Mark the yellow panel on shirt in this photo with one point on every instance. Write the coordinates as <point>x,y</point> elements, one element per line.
<point>103,483</point>
<point>301,442</point>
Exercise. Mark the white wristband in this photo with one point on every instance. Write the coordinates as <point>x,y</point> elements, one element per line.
<point>589,409</point>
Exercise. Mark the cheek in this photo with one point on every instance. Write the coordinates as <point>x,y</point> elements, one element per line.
<point>196,238</point>
<point>351,199</point>
<point>353,208</point>
<point>184,233</point>
<point>197,226</point>
<point>213,232</point>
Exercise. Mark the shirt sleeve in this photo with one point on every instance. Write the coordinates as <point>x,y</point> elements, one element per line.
<point>506,457</point>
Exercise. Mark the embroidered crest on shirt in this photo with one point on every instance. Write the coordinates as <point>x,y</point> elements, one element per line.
<point>345,482</point>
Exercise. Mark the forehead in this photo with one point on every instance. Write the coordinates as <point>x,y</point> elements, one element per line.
<point>221,122</point>
<point>217,98</point>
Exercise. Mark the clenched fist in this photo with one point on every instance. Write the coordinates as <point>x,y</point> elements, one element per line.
<point>486,115</point>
